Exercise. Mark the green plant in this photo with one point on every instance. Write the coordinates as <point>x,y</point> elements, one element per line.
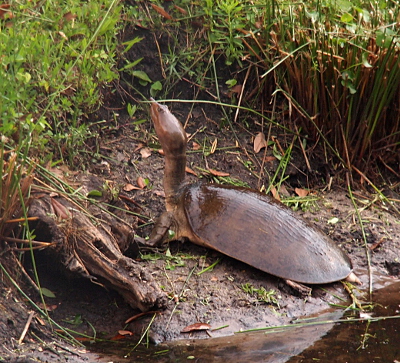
<point>261,294</point>
<point>344,84</point>
<point>334,62</point>
<point>54,58</point>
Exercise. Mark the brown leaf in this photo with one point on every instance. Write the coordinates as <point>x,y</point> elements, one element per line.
<point>182,11</point>
<point>301,192</point>
<point>161,11</point>
<point>48,307</point>
<point>59,209</point>
<point>159,193</point>
<point>283,191</point>
<point>117,337</point>
<point>275,193</point>
<point>217,173</point>
<point>269,158</point>
<point>137,316</point>
<point>235,89</point>
<point>214,278</point>
<point>69,16</point>
<point>140,145</point>
<point>196,326</point>
<point>141,182</point>
<point>190,171</point>
<point>145,152</point>
<point>196,146</point>
<point>259,142</point>
<point>129,187</point>
<point>5,13</point>
<point>125,332</point>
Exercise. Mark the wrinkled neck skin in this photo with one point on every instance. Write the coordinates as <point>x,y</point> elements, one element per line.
<point>174,176</point>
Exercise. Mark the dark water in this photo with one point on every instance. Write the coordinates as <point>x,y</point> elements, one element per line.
<point>322,340</point>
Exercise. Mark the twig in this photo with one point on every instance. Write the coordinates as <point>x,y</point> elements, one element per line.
<point>303,151</point>
<point>353,297</point>
<point>377,244</point>
<point>241,94</point>
<point>28,323</point>
<point>160,57</point>
<point>27,241</point>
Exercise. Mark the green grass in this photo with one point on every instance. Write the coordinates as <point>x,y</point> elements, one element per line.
<point>332,66</point>
<point>54,58</point>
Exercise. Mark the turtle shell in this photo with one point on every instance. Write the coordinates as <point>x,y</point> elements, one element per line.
<point>254,228</point>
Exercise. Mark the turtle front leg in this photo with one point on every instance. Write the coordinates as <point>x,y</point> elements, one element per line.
<point>160,230</point>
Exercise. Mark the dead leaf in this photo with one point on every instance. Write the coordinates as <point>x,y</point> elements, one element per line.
<point>196,146</point>
<point>63,35</point>
<point>268,159</point>
<point>69,16</point>
<point>283,191</point>
<point>275,193</point>
<point>214,146</point>
<point>161,11</point>
<point>190,171</point>
<point>160,193</point>
<point>235,89</point>
<point>217,173</point>
<point>125,332</point>
<point>259,142</point>
<point>118,337</point>
<point>5,13</point>
<point>48,307</point>
<point>141,182</point>
<point>182,11</point>
<point>145,152</point>
<point>137,316</point>
<point>214,278</point>
<point>301,192</point>
<point>59,209</point>
<point>129,187</point>
<point>140,145</point>
<point>196,326</point>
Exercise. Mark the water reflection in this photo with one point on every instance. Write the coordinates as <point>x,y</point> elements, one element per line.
<point>362,341</point>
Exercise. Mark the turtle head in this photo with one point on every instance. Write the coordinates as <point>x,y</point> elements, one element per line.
<point>169,130</point>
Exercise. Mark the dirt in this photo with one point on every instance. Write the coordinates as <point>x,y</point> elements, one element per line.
<point>128,151</point>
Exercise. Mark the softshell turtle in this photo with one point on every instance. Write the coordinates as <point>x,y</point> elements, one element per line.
<point>239,222</point>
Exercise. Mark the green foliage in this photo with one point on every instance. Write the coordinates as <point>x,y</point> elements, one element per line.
<point>344,85</point>
<point>261,294</point>
<point>54,57</point>
<point>335,63</point>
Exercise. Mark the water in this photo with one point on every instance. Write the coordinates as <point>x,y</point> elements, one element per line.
<point>319,341</point>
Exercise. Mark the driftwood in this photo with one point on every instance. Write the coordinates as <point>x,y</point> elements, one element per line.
<point>89,246</point>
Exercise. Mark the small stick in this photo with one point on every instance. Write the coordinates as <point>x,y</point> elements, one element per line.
<point>377,244</point>
<point>21,220</point>
<point>28,323</point>
<point>160,57</point>
<point>27,241</point>
<point>303,151</point>
<point>241,94</point>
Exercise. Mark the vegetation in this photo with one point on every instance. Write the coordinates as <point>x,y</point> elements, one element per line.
<point>54,58</point>
<point>334,62</point>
